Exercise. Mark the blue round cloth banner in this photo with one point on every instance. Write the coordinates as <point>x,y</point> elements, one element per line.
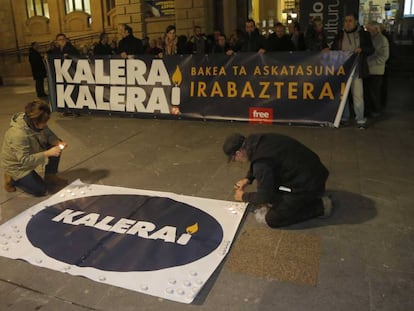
<point>124,233</point>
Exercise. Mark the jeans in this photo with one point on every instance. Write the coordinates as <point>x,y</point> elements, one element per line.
<point>33,183</point>
<point>357,91</point>
<point>40,87</point>
<point>289,209</point>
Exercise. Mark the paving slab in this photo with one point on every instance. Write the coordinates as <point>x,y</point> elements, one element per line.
<point>366,246</point>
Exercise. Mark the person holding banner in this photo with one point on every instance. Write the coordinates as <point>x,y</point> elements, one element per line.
<point>279,41</point>
<point>296,36</point>
<point>356,39</point>
<point>103,47</point>
<point>221,46</point>
<point>27,144</point>
<point>129,45</point>
<point>252,40</point>
<point>64,47</point>
<point>315,38</point>
<point>170,41</point>
<point>290,178</point>
<point>198,42</point>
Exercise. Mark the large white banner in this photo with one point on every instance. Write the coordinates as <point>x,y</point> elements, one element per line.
<point>157,243</point>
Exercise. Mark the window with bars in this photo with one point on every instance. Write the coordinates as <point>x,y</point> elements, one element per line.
<point>160,8</point>
<point>77,5</point>
<point>37,8</point>
<point>110,4</point>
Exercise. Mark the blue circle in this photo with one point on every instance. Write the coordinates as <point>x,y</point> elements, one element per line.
<point>86,246</point>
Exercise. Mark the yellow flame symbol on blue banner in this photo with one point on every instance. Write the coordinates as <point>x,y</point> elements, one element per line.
<point>192,229</point>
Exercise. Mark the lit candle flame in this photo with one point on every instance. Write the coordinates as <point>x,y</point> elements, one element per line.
<point>177,77</point>
<point>192,229</point>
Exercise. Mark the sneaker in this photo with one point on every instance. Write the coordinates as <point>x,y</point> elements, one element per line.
<point>327,207</point>
<point>344,123</point>
<point>254,207</point>
<point>8,186</point>
<point>362,126</point>
<point>260,215</point>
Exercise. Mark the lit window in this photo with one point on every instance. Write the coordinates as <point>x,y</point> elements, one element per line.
<point>77,5</point>
<point>409,8</point>
<point>37,8</point>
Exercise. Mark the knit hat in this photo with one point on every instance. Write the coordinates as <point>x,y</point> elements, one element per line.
<point>233,143</point>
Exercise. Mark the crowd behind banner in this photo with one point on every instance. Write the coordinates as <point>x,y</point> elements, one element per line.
<point>249,40</point>
<point>266,88</point>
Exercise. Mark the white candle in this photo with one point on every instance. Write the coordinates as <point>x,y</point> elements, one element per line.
<point>184,238</point>
<point>175,96</point>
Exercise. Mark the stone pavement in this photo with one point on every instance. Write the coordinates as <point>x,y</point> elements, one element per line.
<point>366,257</point>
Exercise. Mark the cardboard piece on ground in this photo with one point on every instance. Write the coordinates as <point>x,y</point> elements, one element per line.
<point>276,255</point>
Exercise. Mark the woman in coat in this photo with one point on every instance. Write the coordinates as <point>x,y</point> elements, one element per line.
<point>27,144</point>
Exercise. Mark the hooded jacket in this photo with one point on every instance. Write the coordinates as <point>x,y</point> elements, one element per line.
<point>363,38</point>
<point>23,147</point>
<point>278,160</point>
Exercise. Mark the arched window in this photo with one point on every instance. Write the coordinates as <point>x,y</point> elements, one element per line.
<point>37,8</point>
<point>77,5</point>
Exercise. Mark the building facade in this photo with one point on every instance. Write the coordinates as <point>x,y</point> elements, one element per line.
<point>26,21</point>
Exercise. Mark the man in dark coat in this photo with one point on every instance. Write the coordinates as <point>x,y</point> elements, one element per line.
<point>198,42</point>
<point>252,40</point>
<point>221,46</point>
<point>316,39</point>
<point>64,47</point>
<point>279,40</point>
<point>129,45</point>
<point>290,178</point>
<point>38,69</point>
<point>103,47</point>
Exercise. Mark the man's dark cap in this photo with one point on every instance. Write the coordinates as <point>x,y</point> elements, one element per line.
<point>233,143</point>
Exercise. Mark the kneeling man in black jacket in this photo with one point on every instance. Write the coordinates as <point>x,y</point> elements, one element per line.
<point>290,178</point>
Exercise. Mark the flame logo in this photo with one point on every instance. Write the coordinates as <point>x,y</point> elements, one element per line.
<point>177,77</point>
<point>192,229</point>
